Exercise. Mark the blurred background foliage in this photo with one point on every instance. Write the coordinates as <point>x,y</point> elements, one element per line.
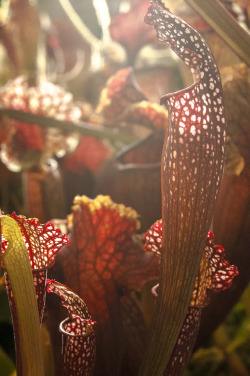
<point>40,41</point>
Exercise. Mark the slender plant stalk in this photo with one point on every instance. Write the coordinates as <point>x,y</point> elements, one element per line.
<point>216,15</point>
<point>79,25</point>
<point>17,264</point>
<point>80,127</point>
<point>103,16</point>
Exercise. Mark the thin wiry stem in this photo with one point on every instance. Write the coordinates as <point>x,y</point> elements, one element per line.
<point>103,16</point>
<point>78,23</point>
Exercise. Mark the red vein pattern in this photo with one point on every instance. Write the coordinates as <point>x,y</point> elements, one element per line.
<point>192,165</point>
<point>215,275</point>
<point>42,242</point>
<point>103,263</point>
<point>45,99</point>
<point>123,101</point>
<point>78,336</point>
<point>185,343</point>
<point>120,92</point>
<point>70,300</point>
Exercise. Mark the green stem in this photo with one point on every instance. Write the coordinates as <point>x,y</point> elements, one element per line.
<point>216,15</point>
<point>17,264</point>
<point>80,127</point>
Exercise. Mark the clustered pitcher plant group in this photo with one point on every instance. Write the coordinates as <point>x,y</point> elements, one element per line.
<point>105,257</point>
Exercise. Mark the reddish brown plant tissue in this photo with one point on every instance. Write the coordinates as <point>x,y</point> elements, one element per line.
<point>104,262</point>
<point>215,275</point>
<point>192,166</point>
<point>46,99</point>
<point>129,30</point>
<point>122,100</point>
<point>120,92</point>
<point>42,242</point>
<point>79,347</point>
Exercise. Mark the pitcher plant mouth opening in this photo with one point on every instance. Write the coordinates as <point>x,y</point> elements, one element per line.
<point>115,146</point>
<point>66,325</point>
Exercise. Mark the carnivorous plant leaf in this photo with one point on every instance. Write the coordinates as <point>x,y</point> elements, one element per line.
<point>104,262</point>
<point>192,165</point>
<point>120,92</point>
<point>45,99</point>
<point>17,263</point>
<point>215,275</point>
<point>41,243</point>
<point>79,347</point>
